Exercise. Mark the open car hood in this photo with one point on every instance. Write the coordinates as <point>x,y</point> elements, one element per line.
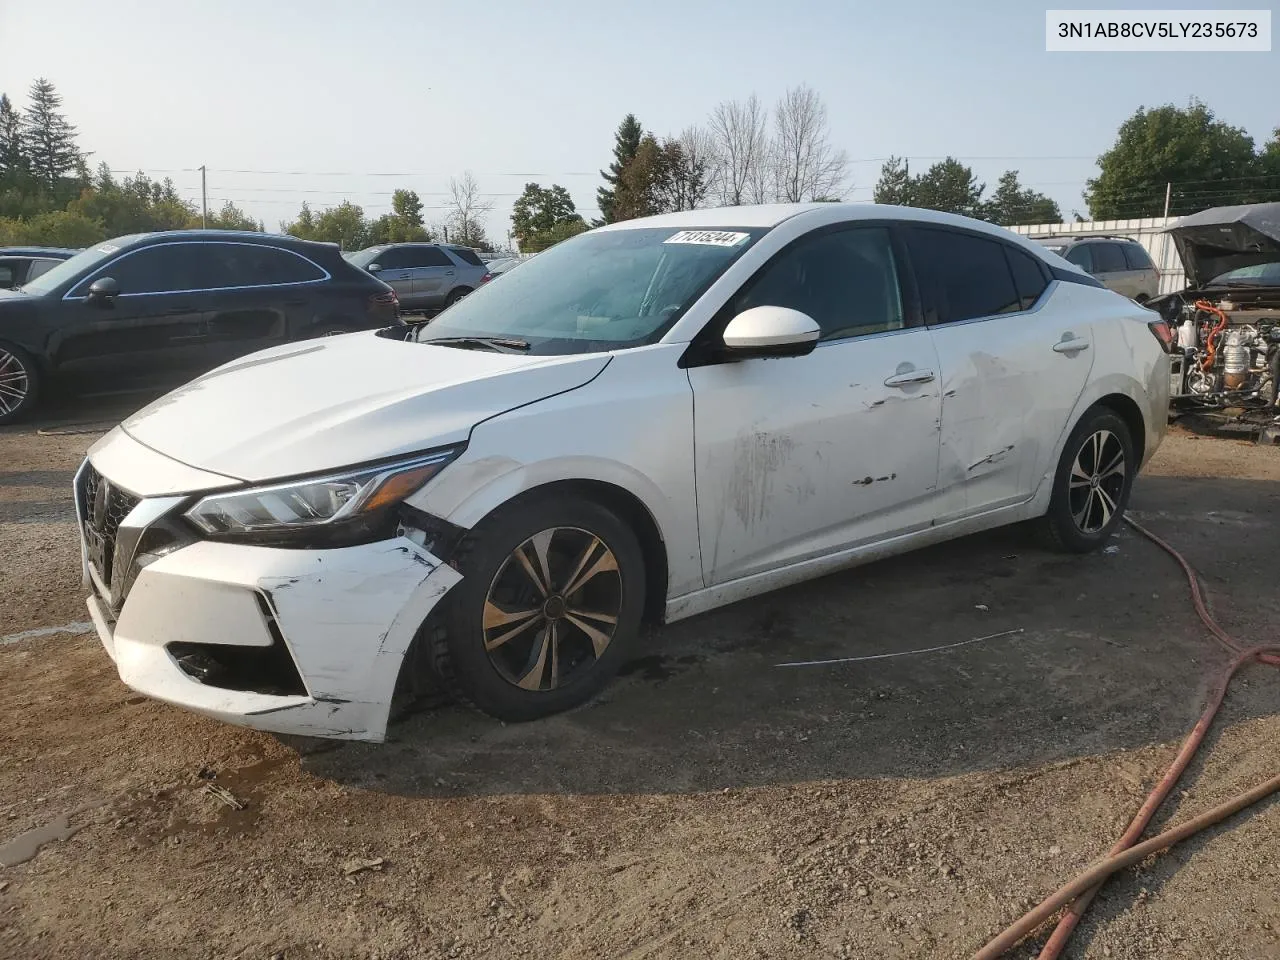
<point>1219,239</point>
<point>332,402</point>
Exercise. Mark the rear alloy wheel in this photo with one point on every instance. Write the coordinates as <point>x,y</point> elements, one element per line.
<point>19,383</point>
<point>1091,488</point>
<point>456,295</point>
<point>549,604</point>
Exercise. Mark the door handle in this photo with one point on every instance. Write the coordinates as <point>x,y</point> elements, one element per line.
<point>910,378</point>
<point>448,273</point>
<point>1070,346</point>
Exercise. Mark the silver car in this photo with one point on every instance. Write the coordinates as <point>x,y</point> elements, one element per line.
<point>425,276</point>
<point>1119,263</point>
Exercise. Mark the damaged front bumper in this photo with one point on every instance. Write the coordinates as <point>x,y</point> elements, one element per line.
<point>306,642</point>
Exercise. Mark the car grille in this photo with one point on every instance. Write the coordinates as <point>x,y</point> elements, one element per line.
<point>103,507</point>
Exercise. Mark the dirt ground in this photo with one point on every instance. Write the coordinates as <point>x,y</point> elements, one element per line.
<point>713,804</point>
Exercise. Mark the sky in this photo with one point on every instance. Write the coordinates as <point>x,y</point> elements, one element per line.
<point>285,101</point>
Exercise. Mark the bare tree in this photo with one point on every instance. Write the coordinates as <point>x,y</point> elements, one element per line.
<point>737,132</point>
<point>804,164</point>
<point>467,210</point>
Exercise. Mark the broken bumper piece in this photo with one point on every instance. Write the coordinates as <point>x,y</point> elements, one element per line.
<point>305,642</point>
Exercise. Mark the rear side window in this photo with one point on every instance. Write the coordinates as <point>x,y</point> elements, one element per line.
<point>467,256</point>
<point>967,275</point>
<point>1108,258</point>
<point>1137,257</point>
<point>251,265</point>
<point>7,273</point>
<point>1028,277</point>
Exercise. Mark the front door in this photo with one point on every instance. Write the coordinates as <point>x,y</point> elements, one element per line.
<point>801,457</point>
<point>1012,366</point>
<point>153,331</point>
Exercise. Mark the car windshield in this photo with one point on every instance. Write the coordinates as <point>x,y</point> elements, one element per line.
<point>1259,274</point>
<point>597,291</point>
<point>362,258</point>
<point>74,266</point>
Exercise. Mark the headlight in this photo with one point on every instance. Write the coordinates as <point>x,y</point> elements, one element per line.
<point>340,500</point>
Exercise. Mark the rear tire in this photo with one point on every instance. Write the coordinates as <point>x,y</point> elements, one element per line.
<point>457,294</point>
<point>1092,484</point>
<point>525,637</point>
<point>19,383</point>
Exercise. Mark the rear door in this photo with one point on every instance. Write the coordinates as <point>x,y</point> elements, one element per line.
<point>1012,367</point>
<point>1146,278</point>
<point>253,292</point>
<point>153,331</point>
<point>1110,267</point>
<point>433,276</point>
<point>397,266</point>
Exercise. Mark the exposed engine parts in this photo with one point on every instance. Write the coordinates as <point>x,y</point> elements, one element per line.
<point>1228,355</point>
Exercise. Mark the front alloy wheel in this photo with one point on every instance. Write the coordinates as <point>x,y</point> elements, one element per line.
<point>552,608</point>
<point>548,607</point>
<point>18,383</point>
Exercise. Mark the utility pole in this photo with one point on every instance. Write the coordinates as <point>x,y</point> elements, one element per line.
<point>446,233</point>
<point>204,199</point>
<point>1168,192</point>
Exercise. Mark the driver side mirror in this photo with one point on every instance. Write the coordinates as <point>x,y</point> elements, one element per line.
<point>770,332</point>
<point>374,267</point>
<point>103,290</point>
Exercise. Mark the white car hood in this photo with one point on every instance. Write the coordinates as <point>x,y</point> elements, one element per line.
<point>328,403</point>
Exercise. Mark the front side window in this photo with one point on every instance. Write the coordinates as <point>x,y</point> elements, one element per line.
<point>39,268</point>
<point>600,290</point>
<point>164,268</point>
<point>969,275</point>
<point>845,280</point>
<point>8,271</point>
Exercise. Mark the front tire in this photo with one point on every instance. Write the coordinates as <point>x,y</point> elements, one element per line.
<point>1092,485</point>
<point>548,608</point>
<point>19,383</point>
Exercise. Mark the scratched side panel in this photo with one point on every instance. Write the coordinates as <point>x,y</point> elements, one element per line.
<point>1006,399</point>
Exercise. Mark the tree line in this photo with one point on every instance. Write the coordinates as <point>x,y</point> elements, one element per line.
<point>49,197</point>
<point>744,152</point>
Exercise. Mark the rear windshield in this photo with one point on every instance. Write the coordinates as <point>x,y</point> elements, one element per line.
<point>597,291</point>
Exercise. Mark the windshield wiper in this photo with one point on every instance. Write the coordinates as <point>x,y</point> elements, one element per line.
<point>497,344</point>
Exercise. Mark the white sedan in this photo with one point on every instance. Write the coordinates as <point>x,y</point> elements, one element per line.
<point>649,420</point>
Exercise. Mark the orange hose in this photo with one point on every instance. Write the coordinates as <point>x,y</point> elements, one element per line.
<point>1080,892</point>
<point>1210,347</point>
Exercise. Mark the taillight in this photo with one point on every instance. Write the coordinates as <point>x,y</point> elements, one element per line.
<point>385,303</point>
<point>1164,333</point>
<point>486,278</point>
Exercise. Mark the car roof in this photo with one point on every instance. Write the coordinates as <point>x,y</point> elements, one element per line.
<point>1068,239</point>
<point>238,236</point>
<point>772,214</point>
<point>38,252</point>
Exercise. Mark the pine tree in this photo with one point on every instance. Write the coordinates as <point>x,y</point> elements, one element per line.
<point>626,146</point>
<point>48,140</point>
<point>12,160</point>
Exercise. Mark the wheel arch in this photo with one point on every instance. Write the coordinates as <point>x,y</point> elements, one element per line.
<point>1127,410</point>
<point>632,511</point>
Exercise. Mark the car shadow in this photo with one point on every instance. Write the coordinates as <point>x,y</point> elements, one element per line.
<point>1109,656</point>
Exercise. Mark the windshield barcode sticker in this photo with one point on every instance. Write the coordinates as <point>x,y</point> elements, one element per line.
<point>716,238</point>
